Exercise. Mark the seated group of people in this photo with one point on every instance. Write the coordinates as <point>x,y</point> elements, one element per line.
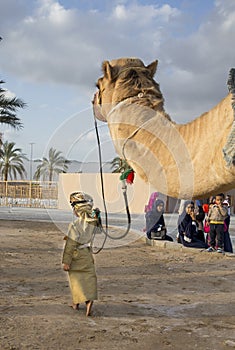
<point>191,222</point>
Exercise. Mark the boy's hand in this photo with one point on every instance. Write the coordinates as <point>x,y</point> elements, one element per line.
<point>193,215</point>
<point>66,267</point>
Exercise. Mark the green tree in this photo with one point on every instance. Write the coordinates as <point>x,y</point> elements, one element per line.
<point>119,165</point>
<point>11,161</point>
<point>50,166</point>
<point>8,108</point>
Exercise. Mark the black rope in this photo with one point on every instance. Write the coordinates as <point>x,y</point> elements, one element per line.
<point>102,190</point>
<point>105,231</point>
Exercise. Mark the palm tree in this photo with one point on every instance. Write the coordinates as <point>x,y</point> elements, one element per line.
<point>8,107</point>
<point>11,161</point>
<point>119,165</point>
<point>55,164</point>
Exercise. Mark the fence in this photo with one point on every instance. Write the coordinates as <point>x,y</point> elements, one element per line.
<point>34,194</point>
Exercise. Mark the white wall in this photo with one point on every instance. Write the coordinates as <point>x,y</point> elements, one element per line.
<point>137,193</point>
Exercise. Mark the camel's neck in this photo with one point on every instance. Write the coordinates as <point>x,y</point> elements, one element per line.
<point>185,151</point>
<point>143,101</point>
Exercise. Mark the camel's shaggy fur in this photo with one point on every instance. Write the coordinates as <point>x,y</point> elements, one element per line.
<point>182,161</point>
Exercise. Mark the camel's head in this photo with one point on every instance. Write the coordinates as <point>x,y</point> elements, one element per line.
<point>123,78</point>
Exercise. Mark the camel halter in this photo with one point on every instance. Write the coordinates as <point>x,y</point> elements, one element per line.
<point>124,190</point>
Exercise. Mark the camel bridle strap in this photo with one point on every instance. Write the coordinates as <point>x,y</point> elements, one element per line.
<point>134,98</point>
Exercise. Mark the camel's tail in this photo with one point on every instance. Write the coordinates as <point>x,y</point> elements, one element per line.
<point>229,148</point>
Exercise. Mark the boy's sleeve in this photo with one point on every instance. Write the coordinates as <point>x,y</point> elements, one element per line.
<point>209,213</point>
<point>68,251</point>
<point>224,211</point>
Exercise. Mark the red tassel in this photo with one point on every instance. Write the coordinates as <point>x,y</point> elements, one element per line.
<point>130,178</point>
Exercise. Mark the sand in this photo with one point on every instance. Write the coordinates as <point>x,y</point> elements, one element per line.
<point>149,297</point>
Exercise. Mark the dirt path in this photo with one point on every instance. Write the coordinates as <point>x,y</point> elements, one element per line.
<point>149,298</point>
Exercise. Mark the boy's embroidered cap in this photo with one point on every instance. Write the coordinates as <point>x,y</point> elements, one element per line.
<point>79,198</point>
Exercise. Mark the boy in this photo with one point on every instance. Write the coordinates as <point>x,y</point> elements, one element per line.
<point>216,216</point>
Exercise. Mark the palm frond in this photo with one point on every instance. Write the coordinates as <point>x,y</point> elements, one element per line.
<point>8,108</point>
<point>11,161</point>
<point>54,164</point>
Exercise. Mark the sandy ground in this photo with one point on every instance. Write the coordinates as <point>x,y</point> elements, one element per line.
<point>149,297</point>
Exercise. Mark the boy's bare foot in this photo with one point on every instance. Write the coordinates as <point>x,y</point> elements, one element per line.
<point>75,306</point>
<point>89,304</point>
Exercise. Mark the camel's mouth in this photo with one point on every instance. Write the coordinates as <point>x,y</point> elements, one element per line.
<point>97,107</point>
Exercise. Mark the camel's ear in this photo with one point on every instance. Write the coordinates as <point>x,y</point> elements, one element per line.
<point>107,70</point>
<point>152,67</point>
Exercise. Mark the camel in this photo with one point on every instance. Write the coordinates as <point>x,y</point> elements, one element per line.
<point>186,161</point>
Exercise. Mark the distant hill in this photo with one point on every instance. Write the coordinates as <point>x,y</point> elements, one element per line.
<point>89,167</point>
<point>74,167</point>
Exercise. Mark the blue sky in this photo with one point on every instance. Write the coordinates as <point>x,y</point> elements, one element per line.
<point>52,51</point>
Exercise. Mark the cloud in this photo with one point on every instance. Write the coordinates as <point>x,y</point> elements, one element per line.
<point>49,44</point>
<point>143,14</point>
<point>10,134</point>
<point>9,94</point>
<point>198,65</point>
<point>67,46</point>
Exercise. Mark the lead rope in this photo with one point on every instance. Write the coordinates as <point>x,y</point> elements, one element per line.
<point>124,189</point>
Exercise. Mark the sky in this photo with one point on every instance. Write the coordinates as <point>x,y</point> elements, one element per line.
<point>52,51</point>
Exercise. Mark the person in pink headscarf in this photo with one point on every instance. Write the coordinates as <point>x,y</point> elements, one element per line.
<point>149,206</point>
<point>152,199</point>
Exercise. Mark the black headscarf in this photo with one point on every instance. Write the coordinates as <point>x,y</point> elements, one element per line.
<point>183,212</point>
<point>154,216</point>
